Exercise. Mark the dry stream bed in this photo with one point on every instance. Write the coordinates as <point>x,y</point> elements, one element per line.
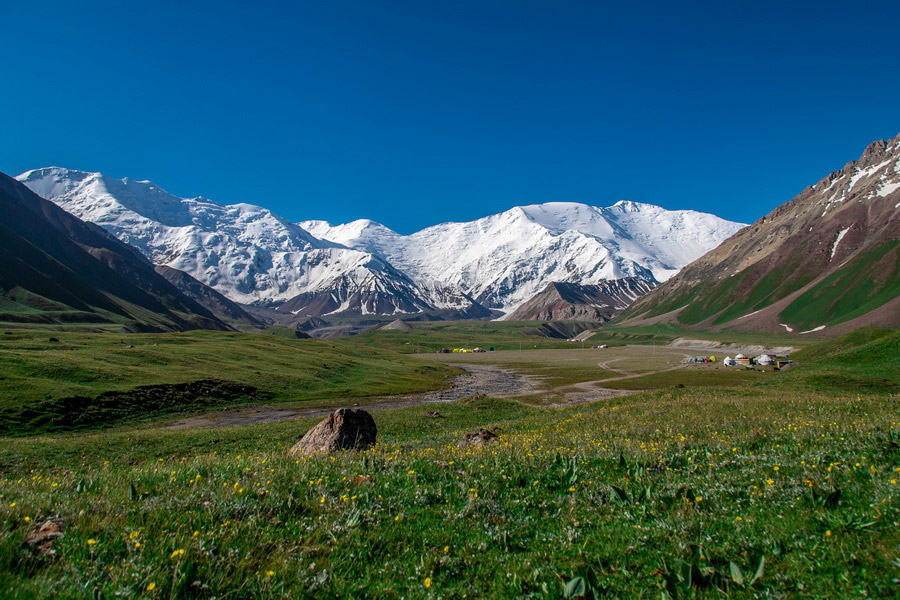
<point>498,374</point>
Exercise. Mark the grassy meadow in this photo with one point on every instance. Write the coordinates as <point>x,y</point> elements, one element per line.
<point>38,377</point>
<point>784,486</point>
<point>618,367</point>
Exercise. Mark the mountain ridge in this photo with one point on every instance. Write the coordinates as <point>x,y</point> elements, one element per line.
<point>56,269</point>
<point>469,269</point>
<point>825,261</point>
<point>565,241</point>
<point>596,303</point>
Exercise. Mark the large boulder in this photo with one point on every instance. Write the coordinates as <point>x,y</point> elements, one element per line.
<point>344,429</point>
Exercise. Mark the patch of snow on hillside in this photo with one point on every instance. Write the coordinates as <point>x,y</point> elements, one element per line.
<point>819,328</point>
<point>837,240</point>
<point>862,173</point>
<point>888,188</point>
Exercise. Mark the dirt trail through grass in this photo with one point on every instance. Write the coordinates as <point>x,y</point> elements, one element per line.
<point>604,364</point>
<point>490,380</point>
<point>592,391</point>
<point>626,374</point>
<point>479,378</point>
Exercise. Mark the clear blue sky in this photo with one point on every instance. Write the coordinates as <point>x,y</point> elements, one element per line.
<point>413,113</point>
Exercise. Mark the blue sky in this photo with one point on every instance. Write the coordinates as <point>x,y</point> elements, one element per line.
<point>413,113</point>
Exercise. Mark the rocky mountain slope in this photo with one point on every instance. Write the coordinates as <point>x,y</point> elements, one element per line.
<point>243,251</point>
<point>503,260</point>
<point>57,269</point>
<point>223,308</point>
<point>570,301</point>
<point>825,262</point>
<point>452,270</point>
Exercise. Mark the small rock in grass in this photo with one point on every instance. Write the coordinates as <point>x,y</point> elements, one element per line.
<point>344,429</point>
<point>482,437</point>
<point>41,539</point>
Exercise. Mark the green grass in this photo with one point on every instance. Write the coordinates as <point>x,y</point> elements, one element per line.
<point>36,371</point>
<point>864,361</point>
<point>706,376</point>
<point>845,343</point>
<point>667,332</point>
<point>430,336</point>
<point>674,493</point>
<point>629,493</point>
<point>284,332</point>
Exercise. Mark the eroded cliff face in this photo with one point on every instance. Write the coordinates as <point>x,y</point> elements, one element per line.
<point>574,302</point>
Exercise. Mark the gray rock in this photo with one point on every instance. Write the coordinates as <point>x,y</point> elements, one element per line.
<point>344,429</point>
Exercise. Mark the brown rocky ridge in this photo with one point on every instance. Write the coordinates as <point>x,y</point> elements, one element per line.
<point>574,302</point>
<point>822,264</point>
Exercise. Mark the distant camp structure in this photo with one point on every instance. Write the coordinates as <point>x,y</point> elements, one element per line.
<point>763,360</point>
<point>397,325</point>
<point>702,359</point>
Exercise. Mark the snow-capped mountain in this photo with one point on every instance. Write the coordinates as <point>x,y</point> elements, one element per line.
<point>503,260</point>
<point>245,252</point>
<point>251,255</point>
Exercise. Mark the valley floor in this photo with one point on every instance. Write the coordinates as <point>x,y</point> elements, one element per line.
<point>779,485</point>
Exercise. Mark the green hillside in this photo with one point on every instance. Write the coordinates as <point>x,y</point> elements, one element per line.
<point>41,373</point>
<point>868,281</point>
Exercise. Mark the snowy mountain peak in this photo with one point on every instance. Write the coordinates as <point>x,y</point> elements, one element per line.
<point>249,254</point>
<point>502,260</point>
<point>630,206</point>
<point>242,250</point>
